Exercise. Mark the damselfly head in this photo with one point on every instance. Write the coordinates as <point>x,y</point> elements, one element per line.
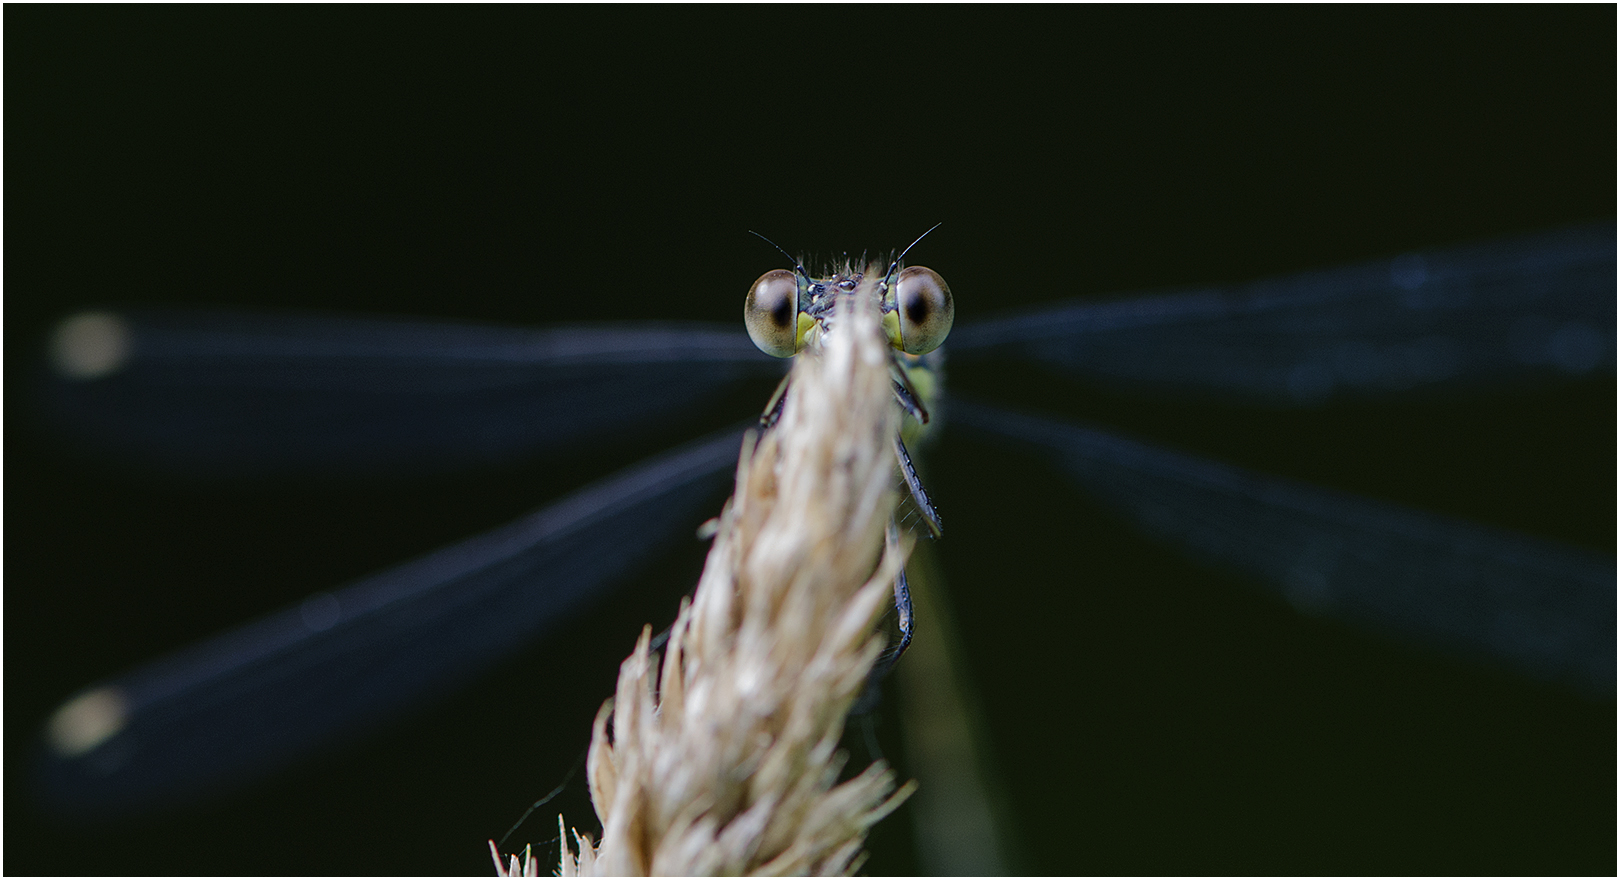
<point>784,306</point>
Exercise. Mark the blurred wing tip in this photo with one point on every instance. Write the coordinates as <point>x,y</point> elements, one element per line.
<point>90,345</point>
<point>85,722</point>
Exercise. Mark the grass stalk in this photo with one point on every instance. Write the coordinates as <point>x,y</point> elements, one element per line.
<point>721,756</point>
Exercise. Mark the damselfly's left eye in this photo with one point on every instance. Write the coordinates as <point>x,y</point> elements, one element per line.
<point>926,311</point>
<point>771,313</point>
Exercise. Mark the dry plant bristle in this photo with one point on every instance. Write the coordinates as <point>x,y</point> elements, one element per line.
<point>728,763</point>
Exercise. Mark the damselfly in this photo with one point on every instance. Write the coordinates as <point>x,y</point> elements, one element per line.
<point>269,393</point>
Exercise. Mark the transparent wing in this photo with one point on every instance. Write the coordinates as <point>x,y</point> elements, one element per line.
<point>257,696</point>
<point>239,392</point>
<point>1544,609</point>
<point>1517,307</point>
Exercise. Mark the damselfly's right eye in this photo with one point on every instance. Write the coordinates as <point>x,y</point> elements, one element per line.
<point>926,310</point>
<point>772,313</point>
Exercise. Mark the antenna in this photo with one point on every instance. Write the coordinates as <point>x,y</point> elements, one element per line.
<point>896,264</point>
<point>798,267</point>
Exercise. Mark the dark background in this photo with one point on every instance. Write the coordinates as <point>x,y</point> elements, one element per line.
<point>544,164</point>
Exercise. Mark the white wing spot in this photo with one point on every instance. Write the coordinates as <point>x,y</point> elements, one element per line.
<point>86,721</point>
<point>90,345</point>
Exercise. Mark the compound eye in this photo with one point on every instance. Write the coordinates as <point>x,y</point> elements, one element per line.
<point>926,311</point>
<point>772,313</point>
